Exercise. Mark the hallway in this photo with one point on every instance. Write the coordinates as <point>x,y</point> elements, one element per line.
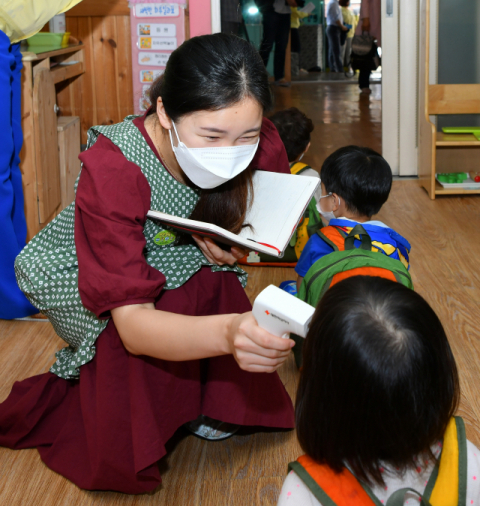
<point>340,114</point>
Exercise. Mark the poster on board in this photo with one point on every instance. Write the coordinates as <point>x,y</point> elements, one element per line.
<point>157,29</point>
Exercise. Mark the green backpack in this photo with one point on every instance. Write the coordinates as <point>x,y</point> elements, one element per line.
<point>345,262</point>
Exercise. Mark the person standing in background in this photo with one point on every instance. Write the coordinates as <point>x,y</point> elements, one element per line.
<point>276,29</point>
<point>19,19</point>
<point>348,19</point>
<point>335,27</point>
<point>296,16</point>
<point>370,21</point>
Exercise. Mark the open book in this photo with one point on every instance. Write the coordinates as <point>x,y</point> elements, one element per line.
<point>279,201</point>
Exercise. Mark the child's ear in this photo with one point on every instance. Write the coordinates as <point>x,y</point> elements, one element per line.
<point>336,202</point>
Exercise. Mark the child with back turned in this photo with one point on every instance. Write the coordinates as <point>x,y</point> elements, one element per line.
<point>375,404</point>
<point>295,128</point>
<point>355,184</point>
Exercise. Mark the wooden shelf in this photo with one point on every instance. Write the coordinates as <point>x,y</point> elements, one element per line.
<point>62,72</point>
<point>440,152</point>
<point>440,190</point>
<point>456,140</point>
<point>31,56</point>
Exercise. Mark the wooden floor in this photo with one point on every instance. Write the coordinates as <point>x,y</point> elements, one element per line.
<point>249,469</point>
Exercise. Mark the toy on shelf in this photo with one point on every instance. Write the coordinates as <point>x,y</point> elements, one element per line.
<point>463,130</point>
<point>459,179</point>
<point>475,176</point>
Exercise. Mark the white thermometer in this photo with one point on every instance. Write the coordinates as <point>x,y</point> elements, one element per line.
<point>281,313</point>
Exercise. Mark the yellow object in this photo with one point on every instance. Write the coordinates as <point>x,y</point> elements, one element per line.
<point>445,492</point>
<point>349,19</point>
<point>20,19</point>
<point>66,38</point>
<point>296,16</point>
<point>302,237</point>
<point>297,167</point>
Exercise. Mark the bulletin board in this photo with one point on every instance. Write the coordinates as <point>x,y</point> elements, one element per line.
<point>157,29</point>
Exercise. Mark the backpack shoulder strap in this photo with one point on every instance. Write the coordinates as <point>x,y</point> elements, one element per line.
<point>329,487</point>
<point>448,483</point>
<point>365,239</point>
<point>299,167</point>
<point>333,236</point>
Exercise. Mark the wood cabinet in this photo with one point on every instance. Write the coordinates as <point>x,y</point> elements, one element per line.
<point>43,76</point>
<point>439,152</point>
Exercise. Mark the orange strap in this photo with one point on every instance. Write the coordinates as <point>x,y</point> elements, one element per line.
<point>342,488</point>
<point>363,271</point>
<point>333,235</point>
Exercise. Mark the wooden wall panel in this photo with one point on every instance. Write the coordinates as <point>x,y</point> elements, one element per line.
<point>104,94</point>
<point>88,8</point>
<point>89,111</point>
<point>124,65</point>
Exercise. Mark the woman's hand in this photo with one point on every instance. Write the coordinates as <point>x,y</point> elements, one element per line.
<point>216,255</point>
<point>255,349</point>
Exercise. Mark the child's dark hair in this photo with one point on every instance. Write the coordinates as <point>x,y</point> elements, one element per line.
<point>361,176</point>
<point>294,129</point>
<point>379,381</point>
<point>208,73</point>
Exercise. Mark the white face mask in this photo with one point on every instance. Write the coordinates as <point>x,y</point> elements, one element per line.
<point>210,167</point>
<point>326,215</point>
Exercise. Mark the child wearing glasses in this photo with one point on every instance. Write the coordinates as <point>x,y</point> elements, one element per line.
<point>356,182</point>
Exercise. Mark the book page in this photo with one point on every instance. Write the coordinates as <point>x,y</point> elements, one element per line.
<point>278,204</point>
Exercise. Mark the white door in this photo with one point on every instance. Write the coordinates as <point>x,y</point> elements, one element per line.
<point>400,60</point>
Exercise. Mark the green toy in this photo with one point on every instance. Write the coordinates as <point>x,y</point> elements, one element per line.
<point>452,177</point>
<point>463,130</point>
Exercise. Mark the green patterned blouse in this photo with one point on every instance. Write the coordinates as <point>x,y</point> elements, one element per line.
<point>47,268</point>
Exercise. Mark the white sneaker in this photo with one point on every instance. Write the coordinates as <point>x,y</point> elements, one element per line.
<point>205,427</point>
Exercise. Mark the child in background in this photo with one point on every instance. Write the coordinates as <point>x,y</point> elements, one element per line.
<point>295,128</point>
<point>346,48</point>
<point>356,183</point>
<point>295,18</point>
<point>375,401</point>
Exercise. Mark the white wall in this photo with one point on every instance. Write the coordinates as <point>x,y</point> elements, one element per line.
<point>399,85</point>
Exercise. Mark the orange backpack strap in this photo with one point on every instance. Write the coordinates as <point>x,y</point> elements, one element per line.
<point>334,237</point>
<point>329,487</point>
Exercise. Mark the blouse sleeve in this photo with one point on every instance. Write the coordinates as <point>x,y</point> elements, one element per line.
<point>112,200</point>
<point>271,154</point>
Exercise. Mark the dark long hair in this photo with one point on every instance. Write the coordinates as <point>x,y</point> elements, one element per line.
<point>209,73</point>
<point>379,381</point>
